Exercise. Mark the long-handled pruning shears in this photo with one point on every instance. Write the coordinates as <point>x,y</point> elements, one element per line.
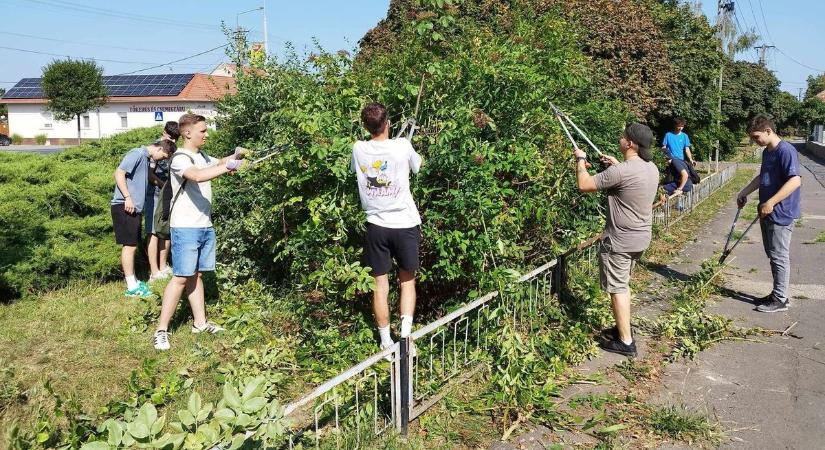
<point>272,152</point>
<point>562,117</point>
<point>726,251</point>
<point>410,125</point>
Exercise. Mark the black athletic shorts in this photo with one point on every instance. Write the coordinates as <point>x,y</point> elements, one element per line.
<point>127,226</point>
<point>383,244</point>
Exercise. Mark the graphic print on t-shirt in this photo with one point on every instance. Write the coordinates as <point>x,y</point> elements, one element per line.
<point>381,182</point>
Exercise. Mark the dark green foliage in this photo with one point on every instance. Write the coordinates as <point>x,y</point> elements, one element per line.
<point>816,85</point>
<point>495,188</point>
<point>693,53</point>
<point>811,112</point>
<point>785,111</point>
<point>55,224</point>
<point>748,89</point>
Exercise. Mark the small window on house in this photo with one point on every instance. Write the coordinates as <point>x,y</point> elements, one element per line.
<point>124,122</point>
<point>86,121</point>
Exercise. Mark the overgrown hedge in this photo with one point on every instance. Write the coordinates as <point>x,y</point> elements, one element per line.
<point>55,225</point>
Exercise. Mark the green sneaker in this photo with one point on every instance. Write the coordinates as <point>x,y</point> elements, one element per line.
<point>139,291</point>
<point>142,290</point>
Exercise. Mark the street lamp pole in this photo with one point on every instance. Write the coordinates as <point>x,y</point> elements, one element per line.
<point>237,16</point>
<point>266,33</point>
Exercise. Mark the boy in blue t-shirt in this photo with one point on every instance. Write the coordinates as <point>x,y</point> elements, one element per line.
<point>779,184</point>
<point>127,205</point>
<point>676,144</point>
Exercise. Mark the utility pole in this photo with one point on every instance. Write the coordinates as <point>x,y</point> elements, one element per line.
<point>762,50</point>
<point>724,8</point>
<point>799,96</point>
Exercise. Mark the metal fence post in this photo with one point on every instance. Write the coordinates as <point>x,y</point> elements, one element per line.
<point>559,284</point>
<point>404,381</point>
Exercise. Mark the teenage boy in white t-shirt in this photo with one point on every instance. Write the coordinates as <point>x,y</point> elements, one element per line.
<point>190,221</point>
<point>383,168</point>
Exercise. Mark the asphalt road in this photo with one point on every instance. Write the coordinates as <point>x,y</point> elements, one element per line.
<point>42,149</point>
<point>767,392</point>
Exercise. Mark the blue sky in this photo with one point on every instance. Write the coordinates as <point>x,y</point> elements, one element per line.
<point>134,35</point>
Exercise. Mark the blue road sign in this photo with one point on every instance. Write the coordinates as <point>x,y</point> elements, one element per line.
<point>158,116</point>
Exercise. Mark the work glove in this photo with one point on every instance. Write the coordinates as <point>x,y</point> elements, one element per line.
<point>233,164</point>
<point>241,153</point>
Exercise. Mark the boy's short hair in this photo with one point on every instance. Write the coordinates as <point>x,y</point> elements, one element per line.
<point>761,122</point>
<point>172,129</point>
<point>679,121</point>
<point>188,119</point>
<point>166,145</point>
<point>374,118</point>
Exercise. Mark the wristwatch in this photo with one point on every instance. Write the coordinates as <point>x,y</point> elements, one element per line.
<point>581,158</point>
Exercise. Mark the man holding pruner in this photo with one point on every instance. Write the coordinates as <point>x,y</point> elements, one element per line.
<point>630,187</point>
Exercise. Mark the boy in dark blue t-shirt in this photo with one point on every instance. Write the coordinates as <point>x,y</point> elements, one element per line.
<point>779,184</point>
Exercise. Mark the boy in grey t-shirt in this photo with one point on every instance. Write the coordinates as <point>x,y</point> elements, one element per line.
<point>127,205</point>
<point>631,188</point>
<point>383,167</point>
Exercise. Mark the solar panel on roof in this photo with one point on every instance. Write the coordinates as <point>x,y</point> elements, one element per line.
<point>167,85</point>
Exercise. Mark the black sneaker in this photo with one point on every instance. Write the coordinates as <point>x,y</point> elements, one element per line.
<point>612,333</point>
<point>763,300</point>
<point>773,306</point>
<point>617,346</point>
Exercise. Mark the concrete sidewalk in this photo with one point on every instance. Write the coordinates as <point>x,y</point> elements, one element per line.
<point>768,394</point>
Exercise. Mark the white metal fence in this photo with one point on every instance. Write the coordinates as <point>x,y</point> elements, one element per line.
<point>377,395</point>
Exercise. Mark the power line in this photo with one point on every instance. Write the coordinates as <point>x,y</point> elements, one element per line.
<point>755,21</point>
<point>175,61</point>
<point>89,44</point>
<point>765,22</point>
<point>77,7</point>
<point>116,61</point>
<point>800,63</point>
<point>73,57</point>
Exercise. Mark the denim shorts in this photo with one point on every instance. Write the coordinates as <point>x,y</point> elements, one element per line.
<point>193,250</point>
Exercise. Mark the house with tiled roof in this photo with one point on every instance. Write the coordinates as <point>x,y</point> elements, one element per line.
<point>135,101</point>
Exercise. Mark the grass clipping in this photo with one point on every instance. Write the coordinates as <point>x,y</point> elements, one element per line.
<point>687,324</point>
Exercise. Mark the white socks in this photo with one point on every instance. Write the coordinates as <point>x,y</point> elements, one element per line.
<point>386,339</point>
<point>406,325</point>
<point>406,330</point>
<point>131,282</point>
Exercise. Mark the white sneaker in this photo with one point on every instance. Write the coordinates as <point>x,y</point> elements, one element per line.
<point>161,340</point>
<point>208,327</point>
<point>156,276</point>
<point>391,355</point>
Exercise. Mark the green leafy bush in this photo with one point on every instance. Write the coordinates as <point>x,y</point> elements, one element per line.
<point>496,184</point>
<point>16,139</point>
<point>40,139</point>
<point>55,225</point>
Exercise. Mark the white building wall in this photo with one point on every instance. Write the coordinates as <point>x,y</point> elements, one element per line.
<point>30,120</point>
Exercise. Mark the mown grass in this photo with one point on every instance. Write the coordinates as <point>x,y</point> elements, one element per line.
<point>78,339</point>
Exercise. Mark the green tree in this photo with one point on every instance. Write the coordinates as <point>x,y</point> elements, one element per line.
<point>73,87</point>
<point>816,84</point>
<point>785,112</point>
<point>812,112</point>
<point>748,89</point>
